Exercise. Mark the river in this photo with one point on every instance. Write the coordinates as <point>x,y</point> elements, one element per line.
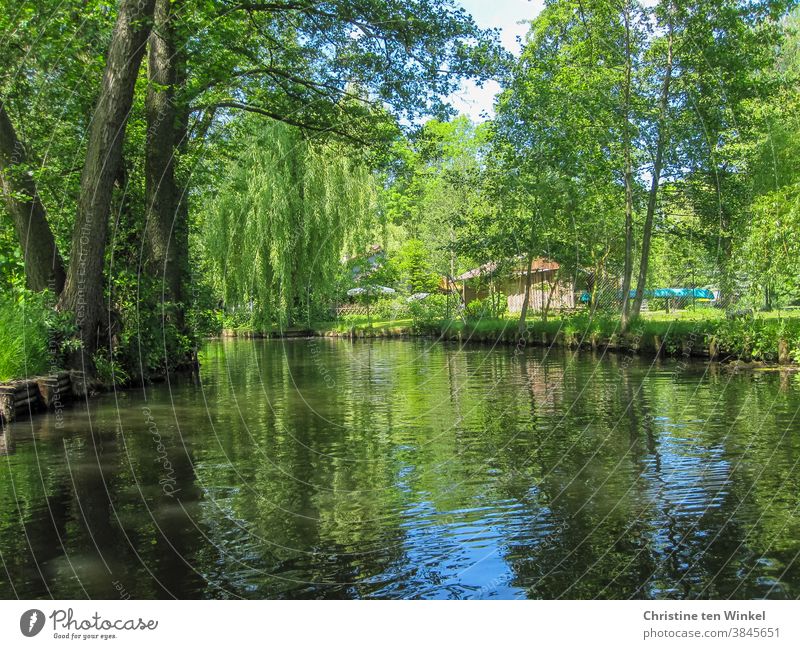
<point>410,469</point>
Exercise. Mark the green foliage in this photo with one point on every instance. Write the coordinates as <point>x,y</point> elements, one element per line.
<point>756,337</point>
<point>282,218</point>
<point>557,159</point>
<point>12,270</point>
<point>241,319</point>
<point>433,187</point>
<point>493,306</point>
<point>388,308</point>
<point>109,371</point>
<point>24,335</point>
<point>146,335</point>
<point>203,317</point>
<point>414,269</point>
<point>767,250</point>
<point>431,314</point>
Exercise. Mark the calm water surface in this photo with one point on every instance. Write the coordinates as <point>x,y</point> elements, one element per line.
<point>392,469</point>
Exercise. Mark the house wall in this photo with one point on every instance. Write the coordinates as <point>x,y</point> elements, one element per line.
<point>563,296</point>
<point>471,293</point>
<point>514,288</point>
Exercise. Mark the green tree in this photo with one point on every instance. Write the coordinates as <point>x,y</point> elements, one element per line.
<point>414,270</point>
<point>769,240</point>
<point>434,184</point>
<point>706,64</point>
<point>566,107</point>
<point>345,70</point>
<point>288,210</point>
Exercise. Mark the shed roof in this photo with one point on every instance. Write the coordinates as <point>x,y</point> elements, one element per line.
<point>538,265</point>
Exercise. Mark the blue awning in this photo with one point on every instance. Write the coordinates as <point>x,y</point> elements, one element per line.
<point>662,293</point>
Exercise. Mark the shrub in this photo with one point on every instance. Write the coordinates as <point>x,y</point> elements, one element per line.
<point>203,317</point>
<point>145,333</point>
<point>237,318</point>
<point>428,313</point>
<point>387,308</point>
<point>493,306</point>
<point>109,371</point>
<point>24,335</point>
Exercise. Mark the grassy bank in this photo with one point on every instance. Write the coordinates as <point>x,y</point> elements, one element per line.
<point>24,337</point>
<point>767,337</point>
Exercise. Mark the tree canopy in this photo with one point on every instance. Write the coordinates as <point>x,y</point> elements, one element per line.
<point>169,163</point>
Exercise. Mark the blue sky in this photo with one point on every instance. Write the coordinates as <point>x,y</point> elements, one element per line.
<point>506,15</point>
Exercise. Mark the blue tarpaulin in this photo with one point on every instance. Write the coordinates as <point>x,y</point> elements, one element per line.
<point>661,293</point>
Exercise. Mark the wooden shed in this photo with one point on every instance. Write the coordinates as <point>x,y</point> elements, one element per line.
<point>547,288</point>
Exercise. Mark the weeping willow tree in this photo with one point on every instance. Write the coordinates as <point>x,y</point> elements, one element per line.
<point>287,211</point>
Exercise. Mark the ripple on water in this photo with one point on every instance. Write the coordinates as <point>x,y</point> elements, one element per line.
<point>411,469</point>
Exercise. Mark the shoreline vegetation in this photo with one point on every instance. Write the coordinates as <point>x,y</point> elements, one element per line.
<point>754,341</point>
<point>212,193</point>
<point>768,338</point>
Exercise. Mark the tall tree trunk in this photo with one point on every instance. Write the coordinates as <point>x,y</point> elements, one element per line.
<point>628,172</point>
<point>44,267</point>
<point>661,144</point>
<point>523,314</point>
<point>522,325</point>
<point>166,231</point>
<point>83,291</point>
<point>550,293</point>
<point>726,270</point>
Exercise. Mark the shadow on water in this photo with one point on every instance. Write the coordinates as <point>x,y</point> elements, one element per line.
<point>326,469</point>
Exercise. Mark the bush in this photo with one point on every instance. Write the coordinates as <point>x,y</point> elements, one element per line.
<point>145,333</point>
<point>386,308</point>
<point>25,349</point>
<point>757,337</point>
<point>203,317</point>
<point>237,318</point>
<point>495,306</point>
<point>428,313</point>
<point>109,371</point>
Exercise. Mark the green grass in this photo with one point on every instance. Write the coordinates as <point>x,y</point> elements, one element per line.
<point>692,315</point>
<point>23,339</point>
<point>755,337</point>
<point>762,336</point>
<point>361,323</point>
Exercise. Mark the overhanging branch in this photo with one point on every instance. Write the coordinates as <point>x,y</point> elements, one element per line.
<point>317,128</point>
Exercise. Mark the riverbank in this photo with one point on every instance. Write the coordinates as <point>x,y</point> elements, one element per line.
<point>760,338</point>
<point>24,397</point>
<point>755,340</point>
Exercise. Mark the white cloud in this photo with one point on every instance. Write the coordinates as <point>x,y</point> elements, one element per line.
<point>474,101</point>
<point>506,15</point>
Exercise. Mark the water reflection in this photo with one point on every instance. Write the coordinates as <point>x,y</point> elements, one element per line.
<point>404,469</point>
<point>6,442</point>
